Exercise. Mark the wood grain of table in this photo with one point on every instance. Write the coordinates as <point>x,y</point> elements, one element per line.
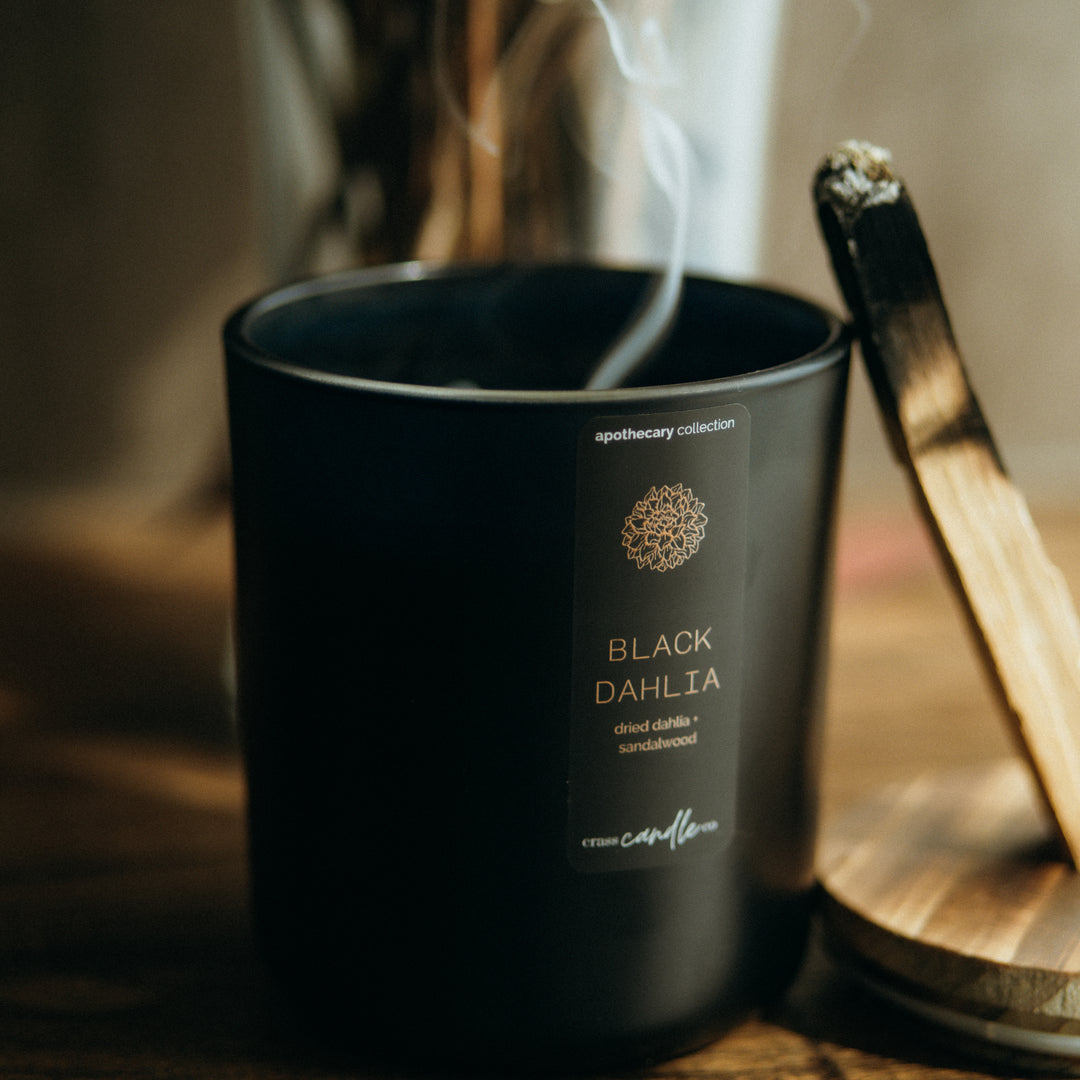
<point>124,942</point>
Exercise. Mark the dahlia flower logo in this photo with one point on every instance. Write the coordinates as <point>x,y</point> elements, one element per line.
<point>665,528</point>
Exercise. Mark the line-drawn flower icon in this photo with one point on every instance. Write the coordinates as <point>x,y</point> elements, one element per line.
<point>665,528</point>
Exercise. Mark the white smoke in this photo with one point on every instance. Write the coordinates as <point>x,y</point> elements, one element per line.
<point>676,98</point>
<point>644,61</point>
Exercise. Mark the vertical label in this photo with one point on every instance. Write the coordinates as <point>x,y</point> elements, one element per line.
<point>658,608</point>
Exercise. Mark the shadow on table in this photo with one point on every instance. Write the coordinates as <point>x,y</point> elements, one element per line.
<point>123,629</point>
<point>833,1008</point>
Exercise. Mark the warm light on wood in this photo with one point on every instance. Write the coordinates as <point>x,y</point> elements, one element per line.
<point>1024,620</point>
<point>939,888</point>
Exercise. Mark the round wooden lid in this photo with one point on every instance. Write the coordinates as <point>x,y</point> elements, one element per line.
<point>949,896</point>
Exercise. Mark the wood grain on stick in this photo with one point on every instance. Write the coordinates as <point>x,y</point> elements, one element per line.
<point>1019,606</point>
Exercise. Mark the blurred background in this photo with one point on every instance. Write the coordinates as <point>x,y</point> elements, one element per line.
<point>162,162</point>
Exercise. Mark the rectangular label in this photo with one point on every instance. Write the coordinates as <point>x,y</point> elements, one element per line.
<point>658,597</point>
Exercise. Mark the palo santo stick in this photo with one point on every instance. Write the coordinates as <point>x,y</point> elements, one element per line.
<point>1024,620</point>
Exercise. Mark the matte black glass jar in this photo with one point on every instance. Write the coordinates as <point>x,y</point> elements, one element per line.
<point>530,675</point>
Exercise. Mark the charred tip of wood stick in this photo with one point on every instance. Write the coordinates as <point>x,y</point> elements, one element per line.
<point>873,235</point>
<point>857,175</point>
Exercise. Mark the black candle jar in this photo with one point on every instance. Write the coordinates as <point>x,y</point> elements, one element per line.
<point>530,675</point>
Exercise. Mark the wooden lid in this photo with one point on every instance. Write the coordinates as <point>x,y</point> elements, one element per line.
<point>949,896</point>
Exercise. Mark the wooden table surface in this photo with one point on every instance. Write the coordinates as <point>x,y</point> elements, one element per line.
<point>124,942</point>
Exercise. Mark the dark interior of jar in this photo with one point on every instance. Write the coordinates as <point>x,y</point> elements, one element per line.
<point>532,328</point>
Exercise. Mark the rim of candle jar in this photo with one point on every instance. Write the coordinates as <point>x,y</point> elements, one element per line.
<point>240,333</point>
